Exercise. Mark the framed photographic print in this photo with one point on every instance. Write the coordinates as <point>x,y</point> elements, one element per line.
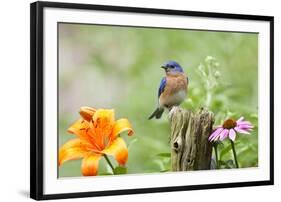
<point>131,100</point>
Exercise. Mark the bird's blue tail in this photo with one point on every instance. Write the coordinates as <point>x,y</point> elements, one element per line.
<point>157,113</point>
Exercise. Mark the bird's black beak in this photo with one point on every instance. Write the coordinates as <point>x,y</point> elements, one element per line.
<point>164,67</point>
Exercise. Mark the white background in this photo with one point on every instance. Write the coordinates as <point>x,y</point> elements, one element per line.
<point>52,185</point>
<point>14,102</point>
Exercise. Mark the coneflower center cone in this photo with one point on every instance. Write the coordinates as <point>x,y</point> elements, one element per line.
<point>229,123</point>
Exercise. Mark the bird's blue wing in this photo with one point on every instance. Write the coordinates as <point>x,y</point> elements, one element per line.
<point>162,86</point>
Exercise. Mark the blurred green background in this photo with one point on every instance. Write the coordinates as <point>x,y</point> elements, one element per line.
<point>119,67</point>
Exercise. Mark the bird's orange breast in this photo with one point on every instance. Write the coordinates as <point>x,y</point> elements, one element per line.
<point>175,90</point>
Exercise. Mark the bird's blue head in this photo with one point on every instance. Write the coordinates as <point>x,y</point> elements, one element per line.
<point>172,66</point>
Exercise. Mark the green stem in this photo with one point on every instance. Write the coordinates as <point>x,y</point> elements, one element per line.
<point>217,157</point>
<point>109,163</point>
<point>234,154</point>
<point>208,98</point>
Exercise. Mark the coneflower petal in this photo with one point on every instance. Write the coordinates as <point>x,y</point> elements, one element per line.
<point>243,123</point>
<point>224,134</point>
<point>240,119</point>
<point>232,134</point>
<point>240,130</point>
<point>246,126</point>
<point>215,134</point>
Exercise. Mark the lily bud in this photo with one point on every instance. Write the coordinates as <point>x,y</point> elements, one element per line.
<point>87,113</point>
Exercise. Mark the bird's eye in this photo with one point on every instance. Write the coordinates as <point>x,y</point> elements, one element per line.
<point>172,66</point>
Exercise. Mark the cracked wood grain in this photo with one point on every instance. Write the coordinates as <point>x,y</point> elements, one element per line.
<point>190,147</point>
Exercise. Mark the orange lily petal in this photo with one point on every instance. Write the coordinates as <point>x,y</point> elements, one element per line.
<point>120,126</point>
<point>102,124</point>
<point>76,127</point>
<point>81,128</point>
<point>90,164</point>
<point>119,150</point>
<point>73,149</point>
<point>87,113</point>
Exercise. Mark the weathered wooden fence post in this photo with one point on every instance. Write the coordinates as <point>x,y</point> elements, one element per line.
<point>190,147</point>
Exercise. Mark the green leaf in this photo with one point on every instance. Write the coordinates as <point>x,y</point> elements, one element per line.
<point>227,164</point>
<point>105,173</point>
<point>120,170</point>
<point>230,164</point>
<point>226,149</point>
<point>163,171</point>
<point>165,155</point>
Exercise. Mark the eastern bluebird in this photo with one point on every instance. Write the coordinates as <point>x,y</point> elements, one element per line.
<point>172,90</point>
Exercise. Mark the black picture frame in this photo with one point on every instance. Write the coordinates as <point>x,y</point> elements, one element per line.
<point>37,98</point>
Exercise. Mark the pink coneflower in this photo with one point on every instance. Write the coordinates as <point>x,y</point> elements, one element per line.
<point>229,129</point>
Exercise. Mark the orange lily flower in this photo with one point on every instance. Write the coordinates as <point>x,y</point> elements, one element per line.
<point>97,135</point>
